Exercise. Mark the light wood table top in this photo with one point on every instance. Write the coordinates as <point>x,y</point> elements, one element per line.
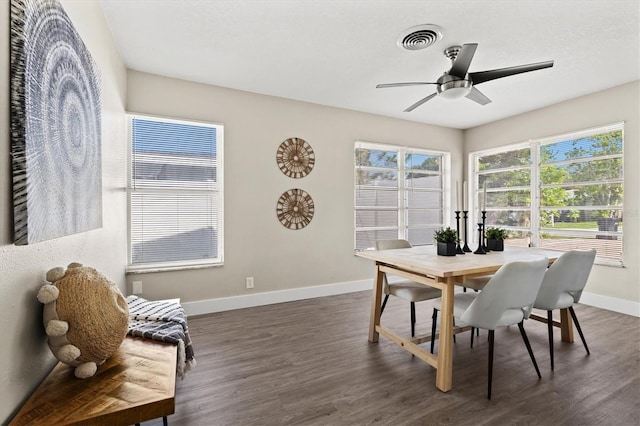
<point>424,260</point>
<point>136,384</point>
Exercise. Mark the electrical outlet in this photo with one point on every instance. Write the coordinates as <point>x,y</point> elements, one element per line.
<point>136,287</point>
<point>249,281</point>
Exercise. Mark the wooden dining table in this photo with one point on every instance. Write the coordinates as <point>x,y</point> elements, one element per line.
<point>422,265</point>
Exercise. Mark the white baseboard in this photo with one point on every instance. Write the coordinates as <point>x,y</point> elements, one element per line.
<point>202,307</point>
<point>611,303</point>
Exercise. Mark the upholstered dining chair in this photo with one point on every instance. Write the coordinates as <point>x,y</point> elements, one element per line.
<point>406,289</point>
<point>562,287</point>
<point>476,284</point>
<point>507,299</point>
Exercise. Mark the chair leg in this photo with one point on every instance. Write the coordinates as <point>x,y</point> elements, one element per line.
<point>454,325</point>
<point>413,319</point>
<point>526,342</point>
<point>550,332</point>
<point>490,372</point>
<point>384,303</point>
<point>575,320</point>
<point>472,332</point>
<point>434,320</point>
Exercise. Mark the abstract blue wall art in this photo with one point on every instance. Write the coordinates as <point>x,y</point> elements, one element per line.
<point>55,125</point>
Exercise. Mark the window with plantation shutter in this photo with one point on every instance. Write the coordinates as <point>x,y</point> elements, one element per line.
<point>175,194</point>
<point>398,193</point>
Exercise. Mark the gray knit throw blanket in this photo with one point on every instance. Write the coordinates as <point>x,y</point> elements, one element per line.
<point>163,321</point>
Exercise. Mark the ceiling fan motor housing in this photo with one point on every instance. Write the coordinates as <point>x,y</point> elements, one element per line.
<point>451,87</point>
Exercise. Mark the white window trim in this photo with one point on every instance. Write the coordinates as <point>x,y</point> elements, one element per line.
<point>186,264</point>
<point>534,145</point>
<point>446,185</point>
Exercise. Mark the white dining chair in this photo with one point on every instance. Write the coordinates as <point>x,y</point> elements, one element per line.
<point>406,289</point>
<point>562,287</point>
<point>476,284</point>
<point>507,299</point>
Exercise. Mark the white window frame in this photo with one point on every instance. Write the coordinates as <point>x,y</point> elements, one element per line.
<point>178,187</point>
<point>535,184</point>
<point>403,189</point>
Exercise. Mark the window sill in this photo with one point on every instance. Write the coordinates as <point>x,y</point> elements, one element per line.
<point>132,270</point>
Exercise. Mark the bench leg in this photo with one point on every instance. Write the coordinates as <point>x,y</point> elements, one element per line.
<point>165,422</point>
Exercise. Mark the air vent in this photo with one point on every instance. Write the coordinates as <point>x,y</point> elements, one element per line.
<point>420,37</point>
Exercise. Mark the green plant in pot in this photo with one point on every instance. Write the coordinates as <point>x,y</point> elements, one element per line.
<point>495,238</point>
<point>446,239</point>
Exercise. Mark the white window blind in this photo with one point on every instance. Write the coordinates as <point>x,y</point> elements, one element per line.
<point>398,193</point>
<point>175,193</point>
<point>563,192</point>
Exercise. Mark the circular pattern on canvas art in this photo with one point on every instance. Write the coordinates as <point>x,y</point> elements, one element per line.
<point>56,92</point>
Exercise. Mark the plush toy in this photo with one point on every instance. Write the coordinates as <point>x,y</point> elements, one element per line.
<point>85,316</point>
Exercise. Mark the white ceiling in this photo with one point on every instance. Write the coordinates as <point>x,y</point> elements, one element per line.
<point>334,52</point>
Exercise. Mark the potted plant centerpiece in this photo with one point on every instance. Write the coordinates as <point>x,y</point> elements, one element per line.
<point>446,240</point>
<point>495,238</point>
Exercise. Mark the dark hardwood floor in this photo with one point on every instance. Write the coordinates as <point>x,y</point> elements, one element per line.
<point>309,363</point>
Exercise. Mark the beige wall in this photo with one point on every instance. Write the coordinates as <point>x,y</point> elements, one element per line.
<point>621,103</point>
<point>24,356</point>
<point>256,244</point>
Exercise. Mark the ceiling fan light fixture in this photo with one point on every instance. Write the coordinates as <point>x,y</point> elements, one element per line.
<point>419,37</point>
<point>455,89</point>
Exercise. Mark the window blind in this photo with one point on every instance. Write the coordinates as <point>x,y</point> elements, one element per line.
<point>175,197</point>
<point>398,193</point>
<point>563,192</point>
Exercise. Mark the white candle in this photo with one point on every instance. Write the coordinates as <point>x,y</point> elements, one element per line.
<point>457,197</point>
<point>484,200</point>
<point>464,195</point>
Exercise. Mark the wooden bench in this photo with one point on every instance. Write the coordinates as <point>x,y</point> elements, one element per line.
<point>136,384</point>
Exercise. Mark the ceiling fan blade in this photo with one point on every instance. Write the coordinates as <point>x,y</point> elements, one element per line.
<point>420,102</point>
<point>414,83</point>
<point>483,76</point>
<point>477,96</point>
<point>463,60</point>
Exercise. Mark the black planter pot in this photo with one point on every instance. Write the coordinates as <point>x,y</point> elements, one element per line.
<point>495,245</point>
<point>446,249</point>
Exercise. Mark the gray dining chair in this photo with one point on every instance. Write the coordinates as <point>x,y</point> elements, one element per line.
<point>562,287</point>
<point>507,299</point>
<point>406,289</point>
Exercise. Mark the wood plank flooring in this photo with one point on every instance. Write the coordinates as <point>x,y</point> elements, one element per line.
<point>309,363</point>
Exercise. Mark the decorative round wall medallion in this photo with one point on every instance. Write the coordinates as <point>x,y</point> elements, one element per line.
<point>295,209</point>
<point>295,158</point>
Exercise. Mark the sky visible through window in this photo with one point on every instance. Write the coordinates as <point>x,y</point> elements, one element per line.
<point>152,136</point>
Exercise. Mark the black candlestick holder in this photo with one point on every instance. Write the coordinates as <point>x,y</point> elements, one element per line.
<point>458,248</point>
<point>484,233</point>
<point>465,216</point>
<point>480,249</point>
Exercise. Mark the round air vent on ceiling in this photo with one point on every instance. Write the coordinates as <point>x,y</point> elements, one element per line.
<point>420,37</point>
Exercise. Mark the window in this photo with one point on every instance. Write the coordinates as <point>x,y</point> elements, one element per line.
<point>175,194</point>
<point>399,193</point>
<point>563,192</point>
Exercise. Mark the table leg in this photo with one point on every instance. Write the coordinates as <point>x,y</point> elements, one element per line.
<point>376,299</point>
<point>445,349</point>
<point>566,326</point>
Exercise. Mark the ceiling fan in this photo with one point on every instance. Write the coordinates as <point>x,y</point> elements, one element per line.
<point>457,83</point>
